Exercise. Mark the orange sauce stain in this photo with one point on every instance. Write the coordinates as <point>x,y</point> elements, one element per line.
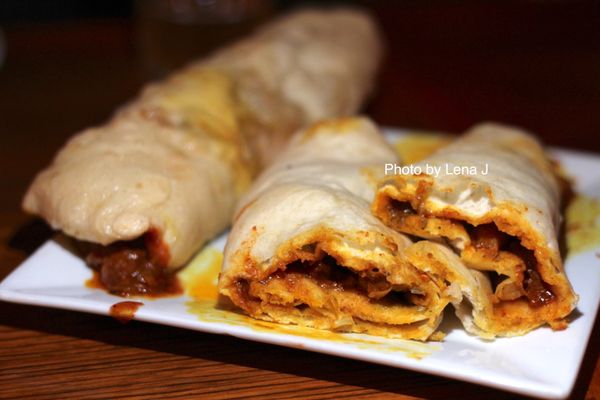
<point>210,311</point>
<point>583,224</point>
<point>94,282</point>
<point>124,311</point>
<point>416,146</point>
<point>199,278</point>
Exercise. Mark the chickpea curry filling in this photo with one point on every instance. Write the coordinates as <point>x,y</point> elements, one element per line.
<point>512,268</point>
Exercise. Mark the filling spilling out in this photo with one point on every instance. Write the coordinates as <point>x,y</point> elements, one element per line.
<point>324,290</point>
<point>131,268</point>
<point>330,275</point>
<point>511,267</point>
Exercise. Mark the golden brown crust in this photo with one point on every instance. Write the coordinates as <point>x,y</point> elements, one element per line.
<point>178,158</point>
<point>521,204</point>
<point>306,250</point>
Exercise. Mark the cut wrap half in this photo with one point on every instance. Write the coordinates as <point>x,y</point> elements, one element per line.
<point>305,248</point>
<point>163,176</point>
<point>495,200</point>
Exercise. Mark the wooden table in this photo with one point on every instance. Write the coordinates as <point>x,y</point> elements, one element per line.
<point>449,67</point>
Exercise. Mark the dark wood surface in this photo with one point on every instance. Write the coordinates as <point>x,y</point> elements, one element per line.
<point>451,64</point>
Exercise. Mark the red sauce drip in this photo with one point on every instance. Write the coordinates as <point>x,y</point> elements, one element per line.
<point>124,311</point>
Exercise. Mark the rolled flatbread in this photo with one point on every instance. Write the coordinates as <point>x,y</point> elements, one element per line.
<point>305,248</point>
<point>492,196</point>
<point>163,175</point>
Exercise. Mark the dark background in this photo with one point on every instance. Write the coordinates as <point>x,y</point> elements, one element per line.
<point>450,63</point>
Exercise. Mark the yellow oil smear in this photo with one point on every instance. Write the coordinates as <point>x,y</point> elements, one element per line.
<point>337,125</point>
<point>416,146</point>
<point>205,98</point>
<point>583,224</point>
<point>208,311</point>
<point>199,278</point>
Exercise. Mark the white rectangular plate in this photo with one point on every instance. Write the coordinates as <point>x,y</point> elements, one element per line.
<point>543,363</point>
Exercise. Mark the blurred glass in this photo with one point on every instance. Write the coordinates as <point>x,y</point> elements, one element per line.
<point>173,32</point>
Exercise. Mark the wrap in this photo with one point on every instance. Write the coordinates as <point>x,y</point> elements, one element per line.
<point>163,175</point>
<point>305,248</point>
<point>495,200</point>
